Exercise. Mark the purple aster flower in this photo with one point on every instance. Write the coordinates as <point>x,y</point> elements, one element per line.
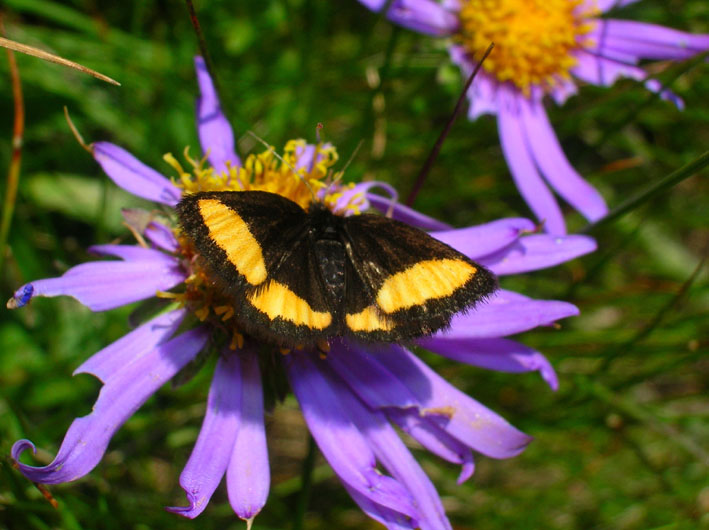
<point>352,399</point>
<point>542,48</point>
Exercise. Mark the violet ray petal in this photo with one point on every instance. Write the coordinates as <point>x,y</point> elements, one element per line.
<point>524,172</point>
<point>563,90</point>
<point>340,442</point>
<point>537,251</point>
<point>553,164</point>
<point>424,16</point>
<point>130,252</point>
<point>391,519</point>
<point>435,440</point>
<point>133,176</point>
<point>606,5</point>
<point>357,366</point>
<point>478,241</point>
<point>503,355</point>
<point>490,320</point>
<point>358,195</point>
<point>482,94</point>
<point>407,215</point>
<point>122,394</point>
<point>102,285</point>
<point>653,85</point>
<point>455,412</point>
<point>215,134</point>
<point>373,383</point>
<point>161,236</point>
<point>602,70</point>
<point>650,41</point>
<point>391,452</point>
<point>131,347</point>
<point>248,474</point>
<point>210,457</point>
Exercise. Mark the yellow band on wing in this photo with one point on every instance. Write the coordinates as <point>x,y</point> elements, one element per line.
<point>367,320</point>
<point>231,233</point>
<point>276,300</point>
<point>424,281</point>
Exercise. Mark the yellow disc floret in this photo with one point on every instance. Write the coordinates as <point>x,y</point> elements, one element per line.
<point>267,171</point>
<point>534,39</point>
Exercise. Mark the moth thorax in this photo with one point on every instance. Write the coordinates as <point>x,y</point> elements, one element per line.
<point>331,258</point>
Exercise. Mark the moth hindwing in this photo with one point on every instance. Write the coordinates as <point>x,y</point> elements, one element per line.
<point>297,277</point>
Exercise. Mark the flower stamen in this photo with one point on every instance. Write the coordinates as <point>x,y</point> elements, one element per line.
<point>534,39</point>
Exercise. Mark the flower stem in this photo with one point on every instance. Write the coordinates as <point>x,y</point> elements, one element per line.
<point>306,485</point>
<point>651,191</point>
<point>13,174</point>
<point>420,179</point>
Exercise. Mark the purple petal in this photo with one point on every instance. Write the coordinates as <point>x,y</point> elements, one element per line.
<point>604,71</point>
<point>131,347</point>
<point>434,439</point>
<point>423,16</point>
<point>210,456</point>
<point>392,519</point>
<point>359,195</point>
<point>648,41</point>
<point>129,252</point>
<point>373,382</point>
<point>133,176</point>
<point>478,241</point>
<point>306,156</point>
<point>102,285</point>
<point>339,440</point>
<point>503,355</point>
<point>563,90</point>
<point>552,162</point>
<point>396,458</point>
<point>407,215</point>
<point>524,171</point>
<point>606,5</point>
<point>537,251</point>
<point>161,236</point>
<point>215,134</point>
<point>123,393</point>
<point>483,93</point>
<point>455,412</point>
<point>248,474</point>
<point>504,314</point>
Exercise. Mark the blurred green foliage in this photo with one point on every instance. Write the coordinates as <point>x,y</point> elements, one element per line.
<point>623,444</point>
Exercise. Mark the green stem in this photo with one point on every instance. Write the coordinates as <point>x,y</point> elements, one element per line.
<point>13,174</point>
<point>306,485</point>
<point>651,191</point>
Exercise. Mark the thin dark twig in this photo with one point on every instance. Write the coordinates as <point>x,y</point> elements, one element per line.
<point>13,174</point>
<point>439,143</point>
<point>202,43</point>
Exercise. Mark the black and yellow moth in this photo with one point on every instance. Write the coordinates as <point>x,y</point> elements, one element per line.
<point>300,276</point>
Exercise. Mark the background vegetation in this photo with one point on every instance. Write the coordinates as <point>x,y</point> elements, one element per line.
<point>623,443</point>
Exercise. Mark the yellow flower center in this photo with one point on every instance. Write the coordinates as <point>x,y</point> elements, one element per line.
<point>534,39</point>
<point>265,171</point>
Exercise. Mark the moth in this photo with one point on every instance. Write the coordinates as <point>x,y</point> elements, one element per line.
<point>299,276</point>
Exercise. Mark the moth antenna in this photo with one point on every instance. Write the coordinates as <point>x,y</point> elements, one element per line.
<point>279,157</point>
<point>349,161</point>
<point>439,143</point>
